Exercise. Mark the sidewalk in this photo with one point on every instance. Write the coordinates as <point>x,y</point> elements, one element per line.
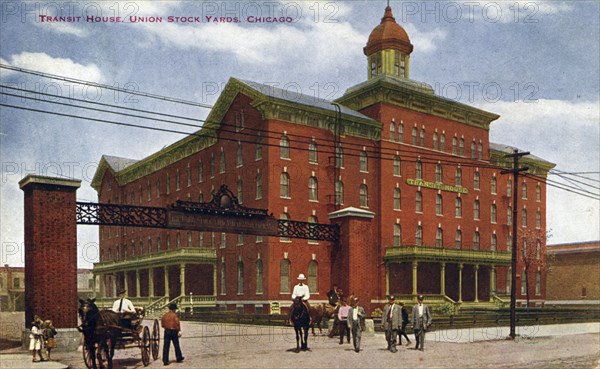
<point>22,360</point>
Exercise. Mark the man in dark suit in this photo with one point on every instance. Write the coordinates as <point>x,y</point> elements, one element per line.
<point>421,320</point>
<point>391,321</point>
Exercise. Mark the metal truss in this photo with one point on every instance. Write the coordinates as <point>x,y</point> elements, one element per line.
<point>311,231</point>
<point>121,215</point>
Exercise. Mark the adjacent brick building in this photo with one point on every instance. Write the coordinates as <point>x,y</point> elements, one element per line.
<point>430,211</point>
<point>573,273</point>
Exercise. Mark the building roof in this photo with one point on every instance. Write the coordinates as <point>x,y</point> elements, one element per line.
<point>509,150</point>
<point>574,248</point>
<point>388,35</point>
<point>117,163</point>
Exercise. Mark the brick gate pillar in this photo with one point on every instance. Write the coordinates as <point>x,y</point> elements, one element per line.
<point>50,249</point>
<point>354,261</point>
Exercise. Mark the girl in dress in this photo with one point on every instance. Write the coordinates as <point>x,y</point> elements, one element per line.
<point>35,340</point>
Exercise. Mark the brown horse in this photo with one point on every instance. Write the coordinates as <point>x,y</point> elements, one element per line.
<point>320,312</point>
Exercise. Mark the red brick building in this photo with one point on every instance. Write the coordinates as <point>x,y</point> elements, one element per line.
<point>414,170</point>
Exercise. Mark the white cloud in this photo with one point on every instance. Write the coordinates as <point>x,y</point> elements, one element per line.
<point>427,41</point>
<point>63,28</point>
<point>61,66</point>
<point>567,134</point>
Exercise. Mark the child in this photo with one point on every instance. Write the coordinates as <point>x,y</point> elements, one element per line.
<point>48,333</point>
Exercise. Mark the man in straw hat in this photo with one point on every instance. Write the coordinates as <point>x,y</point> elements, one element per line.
<point>301,290</point>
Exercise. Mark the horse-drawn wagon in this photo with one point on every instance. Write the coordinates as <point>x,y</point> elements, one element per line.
<point>104,331</point>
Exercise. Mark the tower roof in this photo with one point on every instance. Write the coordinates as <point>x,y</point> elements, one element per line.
<point>388,35</point>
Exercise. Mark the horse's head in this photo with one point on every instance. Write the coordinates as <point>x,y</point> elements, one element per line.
<point>87,307</point>
<point>298,301</point>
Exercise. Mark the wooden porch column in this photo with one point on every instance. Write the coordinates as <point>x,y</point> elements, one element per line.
<point>492,281</point>
<point>126,283</point>
<point>151,282</point>
<point>166,281</point>
<point>415,264</point>
<point>182,279</point>
<point>137,283</point>
<point>460,269</point>
<point>443,279</point>
<point>387,279</point>
<point>476,268</point>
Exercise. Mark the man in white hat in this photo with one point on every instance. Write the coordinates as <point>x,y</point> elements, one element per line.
<point>301,290</point>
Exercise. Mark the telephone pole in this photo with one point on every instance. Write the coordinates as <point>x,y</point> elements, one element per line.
<point>513,279</point>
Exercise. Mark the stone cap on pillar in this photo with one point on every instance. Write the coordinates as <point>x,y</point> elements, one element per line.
<point>352,212</point>
<point>48,181</point>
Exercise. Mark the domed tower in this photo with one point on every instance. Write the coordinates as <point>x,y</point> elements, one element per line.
<point>388,49</point>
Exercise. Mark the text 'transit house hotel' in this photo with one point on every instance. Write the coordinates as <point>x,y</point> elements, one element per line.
<point>416,172</point>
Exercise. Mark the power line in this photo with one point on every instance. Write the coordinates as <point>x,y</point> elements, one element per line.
<point>100,85</point>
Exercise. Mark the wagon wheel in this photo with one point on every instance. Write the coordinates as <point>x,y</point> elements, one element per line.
<point>104,354</point>
<point>155,342</point>
<point>87,356</point>
<point>145,346</point>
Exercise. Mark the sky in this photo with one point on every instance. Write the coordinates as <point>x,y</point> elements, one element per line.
<point>535,63</point>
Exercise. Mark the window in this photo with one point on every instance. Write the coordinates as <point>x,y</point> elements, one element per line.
<point>458,177</point>
<point>435,141</point>
<point>240,191</point>
<point>339,157</point>
<point>201,239</point>
<point>397,235</point>
<point>422,137</point>
<point>461,147</point>
<point>538,219</point>
<point>523,282</point>
<point>284,216</point>
<point>439,209</point>
<point>312,228</point>
<point>524,218</point>
<point>168,184</point>
<point>401,132</point>
<point>258,181</point>
<point>397,198</point>
<point>239,159</point>
<point>443,142</point>
<point>168,242</point>
<point>17,283</point>
<point>476,210</point>
<point>258,148</point>
<point>438,173</point>
<point>454,145</point>
<point>419,236</point>
<point>419,170</point>
<point>158,189</point>
<point>392,131</point>
<point>364,196</point>
<point>509,215</point>
<point>397,170</point>
<point>212,165</point>
<point>189,239</point>
<point>493,242</point>
<point>313,156</point>
<point>284,185</point>
<point>473,150</point>
<point>476,181</point>
<point>312,276</point>
<point>223,284</point>
<point>223,240</point>
<point>538,283</point>
<point>480,151</point>
<point>240,239</point>
<point>419,202</point>
<point>222,162</point>
<point>476,240</point>
<point>538,193</point>
<point>458,207</point>
<point>439,237</point>
<point>178,240</point>
<point>157,243</point>
<point>284,148</point>
<point>493,185</point>
<point>508,280</point>
<point>339,193</point>
<point>524,191</point>
<point>177,180</point>
<point>414,136</point>
<point>259,277</point>
<point>509,187</point>
<point>493,211</point>
<point>284,276</point>
<point>538,249</point>
<point>364,164</point>
<point>312,189</point>
<point>148,191</point>
<point>240,278</point>
<point>458,239</point>
<point>200,172</point>
<point>213,240</point>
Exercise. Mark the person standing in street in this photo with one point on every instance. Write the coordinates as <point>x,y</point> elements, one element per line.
<point>356,322</point>
<point>343,321</point>
<point>421,320</point>
<point>171,325</point>
<point>390,322</point>
<point>402,332</point>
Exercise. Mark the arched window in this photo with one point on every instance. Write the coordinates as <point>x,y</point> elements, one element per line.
<point>493,242</point>
<point>400,132</point>
<point>414,136</point>
<point>509,215</point>
<point>509,187</point>
<point>458,207</point>
<point>313,189</point>
<point>258,180</point>
<point>259,276</point>
<point>454,145</point>
<point>339,192</point>
<point>538,219</point>
<point>240,277</point>
<point>397,235</point>
<point>461,147</point>
<point>473,150</point>
<point>392,131</point>
<point>419,202</point>
<point>524,190</point>
<point>363,162</point>
<point>397,169</point>
<point>419,236</point>
<point>439,237</point>
<point>178,240</point>
<point>476,240</point>
<point>476,210</point>
<point>339,157</point>
<point>284,216</point>
<point>443,142</point>
<point>458,177</point>
<point>284,185</point>
<point>524,218</point>
<point>435,141</point>
<point>284,147</point>
<point>312,276</point>
<point>439,209</point>
<point>284,276</point>
<point>189,239</point>
<point>422,137</point>
<point>538,193</point>
<point>538,283</point>
<point>397,198</point>
<point>222,166</point>
<point>476,181</point>
<point>480,151</point>
<point>438,173</point>
<point>212,168</point>
<point>223,279</point>
<point>419,170</point>
<point>364,196</point>
<point>493,211</point>
<point>538,249</point>
<point>313,156</point>
<point>258,148</point>
<point>493,184</point>
<point>458,239</point>
<point>240,191</point>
